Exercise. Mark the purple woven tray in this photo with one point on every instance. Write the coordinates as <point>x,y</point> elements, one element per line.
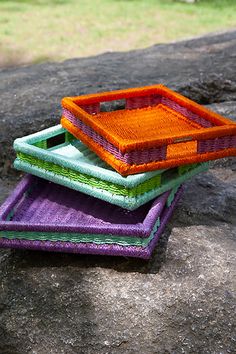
<point>41,207</point>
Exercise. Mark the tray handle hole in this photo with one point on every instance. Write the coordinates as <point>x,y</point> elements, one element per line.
<point>115,105</point>
<point>53,141</point>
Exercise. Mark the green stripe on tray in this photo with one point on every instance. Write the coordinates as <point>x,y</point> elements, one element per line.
<point>82,238</point>
<point>77,176</point>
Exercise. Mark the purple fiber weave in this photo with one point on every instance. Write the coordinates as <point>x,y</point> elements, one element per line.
<point>186,112</point>
<point>216,144</point>
<point>86,248</point>
<point>131,157</point>
<point>48,207</point>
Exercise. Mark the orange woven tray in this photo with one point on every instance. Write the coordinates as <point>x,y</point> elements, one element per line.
<point>157,129</point>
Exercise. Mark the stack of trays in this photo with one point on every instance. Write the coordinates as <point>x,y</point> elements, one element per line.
<point>112,191</point>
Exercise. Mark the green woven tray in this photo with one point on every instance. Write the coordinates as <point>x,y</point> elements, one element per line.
<point>54,154</point>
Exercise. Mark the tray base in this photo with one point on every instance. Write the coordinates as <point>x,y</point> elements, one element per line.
<point>167,121</point>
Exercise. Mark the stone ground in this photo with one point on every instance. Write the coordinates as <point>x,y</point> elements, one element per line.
<point>183,299</point>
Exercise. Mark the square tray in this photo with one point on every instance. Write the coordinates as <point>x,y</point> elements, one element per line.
<point>54,154</point>
<point>46,216</point>
<point>157,129</point>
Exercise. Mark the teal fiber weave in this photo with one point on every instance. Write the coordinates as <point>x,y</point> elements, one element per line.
<point>124,202</point>
<point>72,154</point>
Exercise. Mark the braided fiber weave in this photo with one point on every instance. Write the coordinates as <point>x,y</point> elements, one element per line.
<point>169,182</point>
<point>71,153</point>
<point>135,157</point>
<point>42,214</point>
<point>84,238</point>
<point>144,187</point>
<point>39,205</point>
<point>126,169</point>
<point>70,163</point>
<point>115,249</point>
<point>158,129</point>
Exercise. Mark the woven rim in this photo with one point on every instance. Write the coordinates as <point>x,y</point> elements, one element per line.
<point>92,181</point>
<point>132,157</point>
<point>126,169</point>
<point>113,250</point>
<point>41,206</point>
<point>36,145</point>
<point>112,193</point>
<point>80,106</point>
<point>185,172</point>
<point>154,154</point>
<point>85,238</point>
<point>203,135</point>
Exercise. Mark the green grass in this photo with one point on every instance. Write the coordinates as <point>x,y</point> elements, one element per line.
<point>39,30</point>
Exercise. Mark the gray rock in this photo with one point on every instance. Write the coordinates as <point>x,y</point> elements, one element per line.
<point>183,299</point>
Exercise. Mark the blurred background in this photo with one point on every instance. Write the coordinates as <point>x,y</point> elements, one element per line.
<point>34,31</point>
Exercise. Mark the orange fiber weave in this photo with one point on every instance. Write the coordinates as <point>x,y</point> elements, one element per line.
<point>125,169</point>
<point>163,119</point>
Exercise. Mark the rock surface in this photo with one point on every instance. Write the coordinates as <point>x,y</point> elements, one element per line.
<point>183,299</point>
